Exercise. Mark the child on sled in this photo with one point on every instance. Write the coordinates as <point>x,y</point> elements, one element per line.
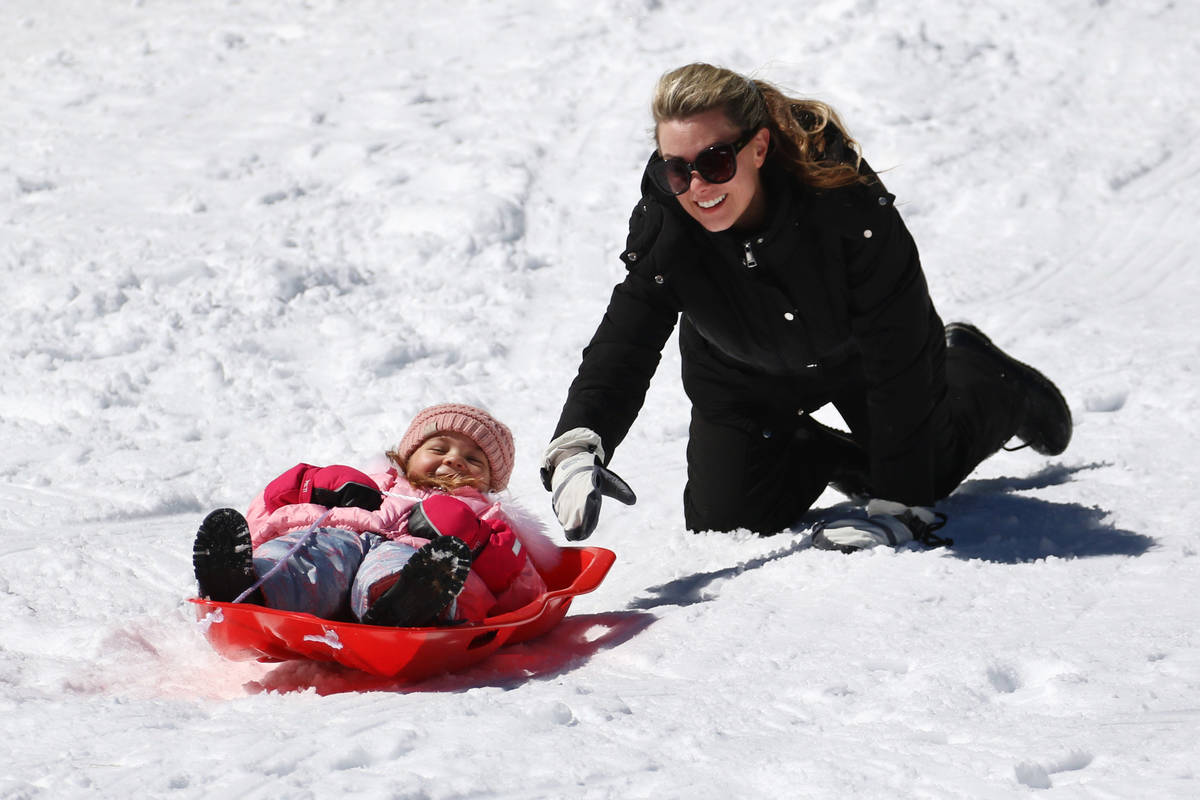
<point>426,542</point>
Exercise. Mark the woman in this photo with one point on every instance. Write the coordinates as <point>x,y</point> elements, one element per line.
<point>795,284</point>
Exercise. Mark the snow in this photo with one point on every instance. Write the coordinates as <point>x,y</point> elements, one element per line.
<point>235,235</point>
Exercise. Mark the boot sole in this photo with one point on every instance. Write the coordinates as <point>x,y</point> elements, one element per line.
<point>221,556</point>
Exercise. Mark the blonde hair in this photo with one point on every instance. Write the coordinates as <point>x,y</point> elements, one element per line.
<point>807,137</point>
<point>445,483</point>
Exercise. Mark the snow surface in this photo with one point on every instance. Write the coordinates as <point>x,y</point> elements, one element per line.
<point>234,235</point>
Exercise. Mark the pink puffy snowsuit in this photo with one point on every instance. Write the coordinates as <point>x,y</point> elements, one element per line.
<point>355,548</point>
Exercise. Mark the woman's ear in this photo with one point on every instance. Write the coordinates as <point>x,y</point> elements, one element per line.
<point>762,145</point>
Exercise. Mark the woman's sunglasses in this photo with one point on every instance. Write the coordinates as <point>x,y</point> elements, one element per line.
<point>716,164</point>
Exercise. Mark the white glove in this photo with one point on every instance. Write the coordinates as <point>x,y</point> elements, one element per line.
<point>887,522</point>
<point>573,470</point>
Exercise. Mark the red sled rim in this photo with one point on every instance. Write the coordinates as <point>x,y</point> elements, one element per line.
<point>243,632</point>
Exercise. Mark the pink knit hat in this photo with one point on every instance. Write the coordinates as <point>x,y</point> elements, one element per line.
<point>493,437</point>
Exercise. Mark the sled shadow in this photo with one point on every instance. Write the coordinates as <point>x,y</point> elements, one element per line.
<point>989,522</point>
<point>567,646</point>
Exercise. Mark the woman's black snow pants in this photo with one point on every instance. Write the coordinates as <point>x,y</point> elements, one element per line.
<point>764,480</point>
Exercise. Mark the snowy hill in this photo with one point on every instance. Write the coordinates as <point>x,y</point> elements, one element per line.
<point>234,235</point>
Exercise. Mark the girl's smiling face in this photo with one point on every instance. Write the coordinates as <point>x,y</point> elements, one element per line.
<point>739,203</point>
<point>449,458</point>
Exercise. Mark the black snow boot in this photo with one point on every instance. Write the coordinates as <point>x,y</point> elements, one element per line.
<point>1045,418</point>
<point>221,557</point>
<point>429,582</point>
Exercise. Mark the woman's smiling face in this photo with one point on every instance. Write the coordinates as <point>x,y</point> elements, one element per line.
<point>736,204</point>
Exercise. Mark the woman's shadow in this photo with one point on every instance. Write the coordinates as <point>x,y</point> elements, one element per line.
<point>989,523</point>
<point>992,523</point>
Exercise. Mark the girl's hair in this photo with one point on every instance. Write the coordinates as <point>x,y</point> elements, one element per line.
<point>445,483</point>
<point>807,137</point>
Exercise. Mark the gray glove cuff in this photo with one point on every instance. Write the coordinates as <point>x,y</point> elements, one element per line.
<point>893,509</point>
<point>576,440</point>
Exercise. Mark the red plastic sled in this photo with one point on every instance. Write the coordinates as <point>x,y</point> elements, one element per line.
<point>243,632</point>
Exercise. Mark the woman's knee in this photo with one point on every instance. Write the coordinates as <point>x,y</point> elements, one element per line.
<point>702,511</point>
<point>762,513</point>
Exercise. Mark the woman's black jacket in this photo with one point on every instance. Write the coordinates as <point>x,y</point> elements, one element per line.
<point>827,302</point>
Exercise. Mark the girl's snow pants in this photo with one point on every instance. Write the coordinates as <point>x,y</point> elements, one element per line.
<point>331,574</point>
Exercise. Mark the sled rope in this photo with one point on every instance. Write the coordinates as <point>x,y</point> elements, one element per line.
<point>279,564</point>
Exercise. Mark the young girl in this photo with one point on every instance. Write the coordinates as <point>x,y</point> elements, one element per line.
<point>427,541</point>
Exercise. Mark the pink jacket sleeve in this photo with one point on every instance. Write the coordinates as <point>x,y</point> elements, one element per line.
<point>266,526</point>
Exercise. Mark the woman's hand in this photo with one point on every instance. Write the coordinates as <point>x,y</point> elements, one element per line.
<point>573,471</point>
<point>886,523</point>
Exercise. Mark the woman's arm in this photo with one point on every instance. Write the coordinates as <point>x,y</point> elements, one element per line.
<point>625,350</point>
<point>900,336</point>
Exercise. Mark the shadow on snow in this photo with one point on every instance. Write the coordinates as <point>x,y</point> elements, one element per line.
<point>987,522</point>
<point>564,648</point>
<point>992,523</point>
<point>690,589</point>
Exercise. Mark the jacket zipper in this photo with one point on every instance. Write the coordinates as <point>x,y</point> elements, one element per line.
<point>748,258</point>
